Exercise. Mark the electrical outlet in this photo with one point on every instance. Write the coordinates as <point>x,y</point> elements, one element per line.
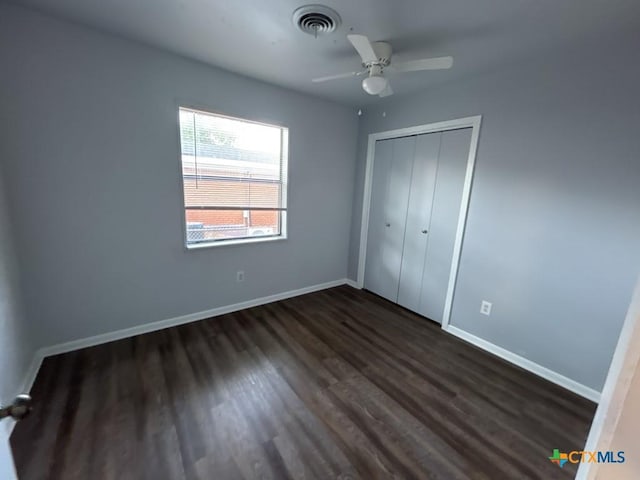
<point>485,308</point>
<point>240,276</point>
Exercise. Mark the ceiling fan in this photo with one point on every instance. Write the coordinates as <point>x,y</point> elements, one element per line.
<point>376,59</point>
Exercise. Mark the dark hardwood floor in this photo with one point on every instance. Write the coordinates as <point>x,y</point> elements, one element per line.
<point>334,384</point>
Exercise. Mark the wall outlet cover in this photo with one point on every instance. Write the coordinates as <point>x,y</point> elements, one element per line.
<point>485,308</point>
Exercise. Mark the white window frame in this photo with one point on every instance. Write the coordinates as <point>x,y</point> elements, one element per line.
<point>284,188</point>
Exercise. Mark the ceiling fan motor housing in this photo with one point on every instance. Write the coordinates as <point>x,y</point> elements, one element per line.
<point>383,51</point>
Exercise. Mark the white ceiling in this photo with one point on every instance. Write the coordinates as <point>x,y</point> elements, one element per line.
<point>257,37</point>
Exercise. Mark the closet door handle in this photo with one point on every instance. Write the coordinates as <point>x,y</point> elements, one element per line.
<point>387,224</point>
<point>425,231</point>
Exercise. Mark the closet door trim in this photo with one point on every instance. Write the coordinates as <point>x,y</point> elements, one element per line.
<point>467,122</point>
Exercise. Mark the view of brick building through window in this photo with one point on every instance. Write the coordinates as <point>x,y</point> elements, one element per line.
<point>234,177</point>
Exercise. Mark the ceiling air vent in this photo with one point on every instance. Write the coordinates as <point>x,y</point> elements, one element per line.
<point>316,19</point>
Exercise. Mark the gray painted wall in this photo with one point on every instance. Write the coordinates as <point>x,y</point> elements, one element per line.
<point>554,218</point>
<point>90,141</point>
<point>15,348</point>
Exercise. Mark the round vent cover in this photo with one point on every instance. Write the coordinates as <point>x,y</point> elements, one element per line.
<point>316,19</point>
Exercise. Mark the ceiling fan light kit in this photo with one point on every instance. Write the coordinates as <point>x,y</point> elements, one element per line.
<point>376,57</point>
<point>374,84</point>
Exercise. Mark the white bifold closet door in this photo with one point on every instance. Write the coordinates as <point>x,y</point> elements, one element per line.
<point>415,204</point>
<point>392,167</point>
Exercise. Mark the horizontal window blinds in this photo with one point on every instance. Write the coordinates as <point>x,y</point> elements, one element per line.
<point>229,163</point>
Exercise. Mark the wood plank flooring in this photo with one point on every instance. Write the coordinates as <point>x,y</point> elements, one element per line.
<point>334,384</point>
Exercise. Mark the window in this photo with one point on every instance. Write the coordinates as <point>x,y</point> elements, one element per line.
<point>234,174</point>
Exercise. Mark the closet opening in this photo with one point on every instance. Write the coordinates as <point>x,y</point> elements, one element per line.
<point>416,196</point>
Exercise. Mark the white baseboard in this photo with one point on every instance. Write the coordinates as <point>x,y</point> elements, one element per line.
<point>32,371</point>
<point>522,362</point>
<point>352,283</point>
<point>172,322</point>
<point>554,377</point>
<point>44,352</point>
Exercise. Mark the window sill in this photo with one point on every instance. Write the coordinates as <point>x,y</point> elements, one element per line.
<point>239,241</point>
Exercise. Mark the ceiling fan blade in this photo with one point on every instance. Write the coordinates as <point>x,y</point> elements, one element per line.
<point>337,77</point>
<point>387,91</point>
<point>362,44</point>
<point>439,63</point>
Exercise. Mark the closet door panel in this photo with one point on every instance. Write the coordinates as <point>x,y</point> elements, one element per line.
<point>447,198</point>
<point>374,279</point>
<point>395,215</point>
<point>416,234</point>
